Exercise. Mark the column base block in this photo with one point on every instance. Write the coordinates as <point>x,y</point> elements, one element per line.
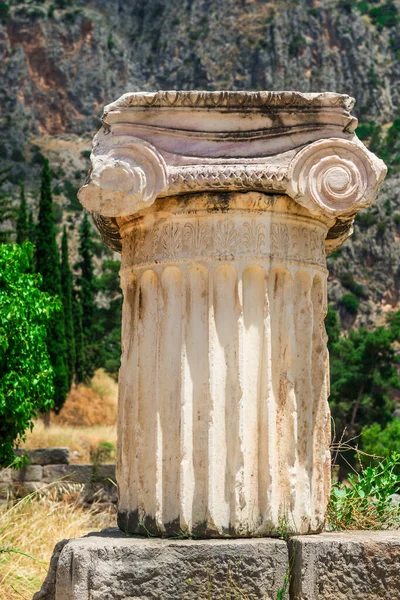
<point>111,565</point>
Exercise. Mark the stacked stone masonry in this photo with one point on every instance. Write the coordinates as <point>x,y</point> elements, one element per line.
<point>50,468</point>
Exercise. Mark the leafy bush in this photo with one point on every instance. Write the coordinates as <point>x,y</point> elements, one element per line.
<point>381,441</point>
<point>348,282</point>
<point>385,15</point>
<point>366,219</point>
<point>363,376</point>
<point>350,303</point>
<point>4,11</point>
<point>71,191</point>
<point>332,326</point>
<point>105,452</point>
<point>381,227</point>
<point>26,380</point>
<point>297,44</point>
<point>367,502</point>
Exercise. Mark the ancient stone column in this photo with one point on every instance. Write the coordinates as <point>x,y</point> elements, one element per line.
<point>224,205</point>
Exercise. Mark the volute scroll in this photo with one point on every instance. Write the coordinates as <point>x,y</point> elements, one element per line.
<point>335,177</point>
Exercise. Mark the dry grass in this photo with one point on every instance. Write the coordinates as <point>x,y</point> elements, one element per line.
<point>93,405</point>
<point>81,441</point>
<point>87,419</point>
<point>29,531</point>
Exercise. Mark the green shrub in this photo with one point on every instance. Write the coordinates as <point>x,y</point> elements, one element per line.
<point>335,255</point>
<point>3,151</point>
<point>26,375</point>
<point>105,452</point>
<point>297,44</point>
<point>381,227</point>
<point>396,219</point>
<point>110,42</point>
<point>367,503</point>
<point>350,303</point>
<point>385,15</point>
<point>17,155</point>
<point>366,219</point>
<point>381,441</point>
<point>348,282</point>
<point>4,11</point>
<point>71,193</point>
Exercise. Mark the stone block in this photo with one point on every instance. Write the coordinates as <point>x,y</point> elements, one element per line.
<point>68,473</point>
<point>353,565</point>
<point>25,488</point>
<point>111,565</point>
<point>5,476</point>
<point>30,473</point>
<point>49,456</point>
<point>105,472</point>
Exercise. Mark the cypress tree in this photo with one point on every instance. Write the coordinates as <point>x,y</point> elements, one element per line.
<point>66,288</point>
<point>31,230</point>
<point>48,264</point>
<point>8,212</point>
<point>22,222</point>
<point>87,295</point>
<point>78,336</point>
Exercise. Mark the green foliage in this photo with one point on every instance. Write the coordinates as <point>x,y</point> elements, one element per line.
<point>297,44</point>
<point>385,15</point>
<point>332,326</point>
<point>367,503</point>
<point>381,441</point>
<point>351,303</point>
<point>109,317</point>
<point>105,452</point>
<point>110,42</point>
<point>17,155</point>
<point>8,211</point>
<point>4,11</point>
<point>22,222</point>
<point>348,282</point>
<point>386,146</point>
<point>388,207</point>
<point>366,219</point>
<point>48,265</point>
<point>363,375</point>
<point>71,191</point>
<point>31,229</point>
<point>66,289</point>
<point>26,380</point>
<point>87,295</point>
<point>381,227</point>
<point>78,338</point>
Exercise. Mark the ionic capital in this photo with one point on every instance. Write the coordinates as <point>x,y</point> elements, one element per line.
<point>173,143</point>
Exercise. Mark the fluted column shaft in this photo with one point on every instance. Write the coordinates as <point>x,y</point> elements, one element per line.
<point>224,424</point>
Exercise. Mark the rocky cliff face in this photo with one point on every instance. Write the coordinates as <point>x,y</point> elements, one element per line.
<point>60,63</point>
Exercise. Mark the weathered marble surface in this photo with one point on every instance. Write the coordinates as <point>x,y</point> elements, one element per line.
<point>167,143</point>
<point>224,425</point>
